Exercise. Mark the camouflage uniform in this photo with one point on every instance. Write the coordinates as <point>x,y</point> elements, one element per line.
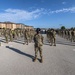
<point>11,35</point>
<point>38,40</point>
<point>26,37</point>
<point>49,35</point>
<point>72,33</point>
<point>31,35</point>
<point>6,36</point>
<point>54,37</point>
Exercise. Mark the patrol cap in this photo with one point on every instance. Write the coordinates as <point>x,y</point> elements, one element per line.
<point>38,29</point>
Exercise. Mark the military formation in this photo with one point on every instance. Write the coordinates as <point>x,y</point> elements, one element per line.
<point>11,35</point>
<point>68,34</point>
<point>31,35</point>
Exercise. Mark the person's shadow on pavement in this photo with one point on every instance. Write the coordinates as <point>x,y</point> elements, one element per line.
<point>20,52</point>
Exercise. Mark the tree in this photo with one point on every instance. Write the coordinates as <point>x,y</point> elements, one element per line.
<point>63,28</point>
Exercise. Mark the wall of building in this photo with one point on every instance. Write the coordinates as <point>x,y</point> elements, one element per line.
<point>14,25</point>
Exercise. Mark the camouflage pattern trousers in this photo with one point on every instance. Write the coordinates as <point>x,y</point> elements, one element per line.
<point>36,51</point>
<point>26,40</point>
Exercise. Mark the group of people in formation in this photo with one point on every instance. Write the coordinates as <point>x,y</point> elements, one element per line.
<point>11,35</point>
<point>31,35</point>
<point>68,34</point>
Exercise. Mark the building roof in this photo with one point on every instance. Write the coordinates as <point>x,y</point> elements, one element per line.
<point>7,22</point>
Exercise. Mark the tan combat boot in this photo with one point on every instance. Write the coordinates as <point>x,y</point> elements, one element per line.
<point>34,59</point>
<point>41,60</point>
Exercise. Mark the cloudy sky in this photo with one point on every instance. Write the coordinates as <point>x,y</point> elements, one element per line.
<point>39,13</point>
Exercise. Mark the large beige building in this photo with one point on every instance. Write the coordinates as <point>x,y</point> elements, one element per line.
<point>13,26</point>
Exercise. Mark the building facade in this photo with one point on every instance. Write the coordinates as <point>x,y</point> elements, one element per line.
<point>13,26</point>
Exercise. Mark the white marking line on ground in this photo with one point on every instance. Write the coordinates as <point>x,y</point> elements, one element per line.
<point>73,49</point>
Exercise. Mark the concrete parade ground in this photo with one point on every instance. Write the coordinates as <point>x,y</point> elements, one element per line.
<point>17,59</point>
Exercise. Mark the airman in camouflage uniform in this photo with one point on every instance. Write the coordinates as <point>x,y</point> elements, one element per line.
<point>38,40</point>
<point>26,37</point>
<point>32,32</point>
<point>51,35</point>
<point>11,35</point>
<point>72,38</point>
<point>6,35</point>
<point>54,37</point>
<point>69,36</point>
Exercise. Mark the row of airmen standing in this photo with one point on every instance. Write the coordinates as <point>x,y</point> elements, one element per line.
<point>11,35</point>
<point>68,34</point>
<point>29,36</point>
